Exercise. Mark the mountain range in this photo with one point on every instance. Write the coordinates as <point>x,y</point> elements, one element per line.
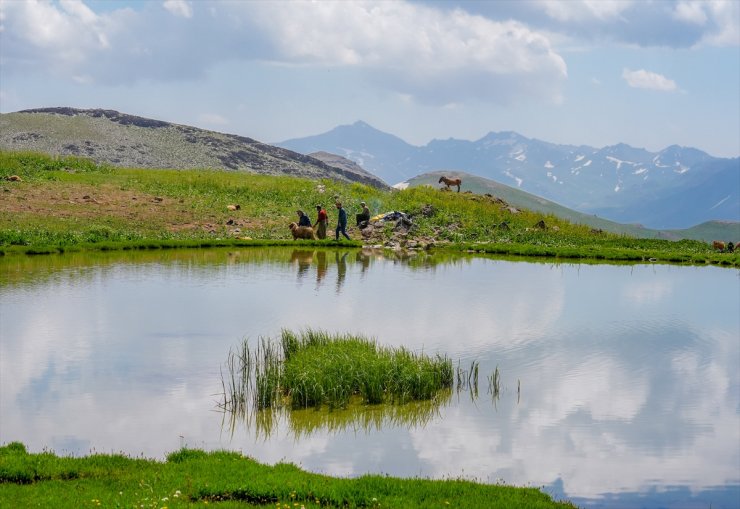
<point>684,189</point>
<point>126,140</point>
<point>675,188</point>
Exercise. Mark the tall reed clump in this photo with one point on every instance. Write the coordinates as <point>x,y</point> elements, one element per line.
<point>315,368</point>
<point>324,369</point>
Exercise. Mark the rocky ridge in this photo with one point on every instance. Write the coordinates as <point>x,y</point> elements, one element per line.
<point>130,141</point>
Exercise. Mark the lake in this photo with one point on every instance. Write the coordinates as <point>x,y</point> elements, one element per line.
<point>620,384</point>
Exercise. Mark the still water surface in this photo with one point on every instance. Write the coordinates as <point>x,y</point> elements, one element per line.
<point>620,383</point>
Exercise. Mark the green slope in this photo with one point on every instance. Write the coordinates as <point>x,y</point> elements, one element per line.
<point>707,232</point>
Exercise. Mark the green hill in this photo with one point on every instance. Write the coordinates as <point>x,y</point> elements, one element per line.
<point>118,139</point>
<point>707,232</point>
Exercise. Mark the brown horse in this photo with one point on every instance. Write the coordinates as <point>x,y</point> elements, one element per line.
<point>450,182</point>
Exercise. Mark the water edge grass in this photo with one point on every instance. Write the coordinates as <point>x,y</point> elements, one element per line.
<point>195,478</point>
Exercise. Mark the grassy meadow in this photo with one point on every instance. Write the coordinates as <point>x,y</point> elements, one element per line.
<point>67,203</point>
<point>193,478</point>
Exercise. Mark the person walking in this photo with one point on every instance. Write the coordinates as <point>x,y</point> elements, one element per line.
<point>341,222</point>
<point>321,222</point>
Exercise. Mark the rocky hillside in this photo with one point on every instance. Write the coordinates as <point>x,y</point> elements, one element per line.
<point>130,141</point>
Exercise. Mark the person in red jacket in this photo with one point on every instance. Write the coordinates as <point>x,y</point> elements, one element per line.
<point>321,222</point>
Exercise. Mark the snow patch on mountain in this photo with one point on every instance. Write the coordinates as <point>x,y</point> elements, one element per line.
<point>619,162</point>
<point>580,158</point>
<point>358,156</point>
<point>549,165</point>
<point>514,177</point>
<point>681,169</point>
<point>657,162</point>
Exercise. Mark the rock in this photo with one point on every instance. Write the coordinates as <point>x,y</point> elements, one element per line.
<point>541,224</point>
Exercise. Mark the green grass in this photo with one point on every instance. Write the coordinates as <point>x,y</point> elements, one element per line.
<point>315,369</point>
<point>193,478</point>
<point>151,209</point>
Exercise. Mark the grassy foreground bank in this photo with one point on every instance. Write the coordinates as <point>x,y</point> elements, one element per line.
<point>65,204</point>
<point>193,478</point>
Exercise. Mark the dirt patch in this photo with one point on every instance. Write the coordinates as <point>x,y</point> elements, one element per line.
<point>110,203</point>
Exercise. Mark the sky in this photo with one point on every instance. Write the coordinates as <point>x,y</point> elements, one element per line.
<point>649,73</point>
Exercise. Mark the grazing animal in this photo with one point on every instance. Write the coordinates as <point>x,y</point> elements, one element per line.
<point>233,207</point>
<point>718,245</point>
<point>450,182</point>
<point>14,178</point>
<point>302,232</point>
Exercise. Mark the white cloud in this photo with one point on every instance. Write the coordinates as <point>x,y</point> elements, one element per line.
<point>431,54</point>
<point>580,10</point>
<point>434,55</point>
<point>726,17</point>
<point>179,8</point>
<point>648,80</point>
<point>692,12</point>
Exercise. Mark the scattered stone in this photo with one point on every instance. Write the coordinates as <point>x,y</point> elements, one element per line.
<point>541,224</point>
<point>158,199</point>
<point>513,210</point>
<point>230,222</point>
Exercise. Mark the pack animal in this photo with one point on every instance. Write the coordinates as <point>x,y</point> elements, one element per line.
<point>718,245</point>
<point>450,182</point>
<point>302,232</point>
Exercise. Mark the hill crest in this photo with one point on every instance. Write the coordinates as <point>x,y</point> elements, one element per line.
<point>127,140</point>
